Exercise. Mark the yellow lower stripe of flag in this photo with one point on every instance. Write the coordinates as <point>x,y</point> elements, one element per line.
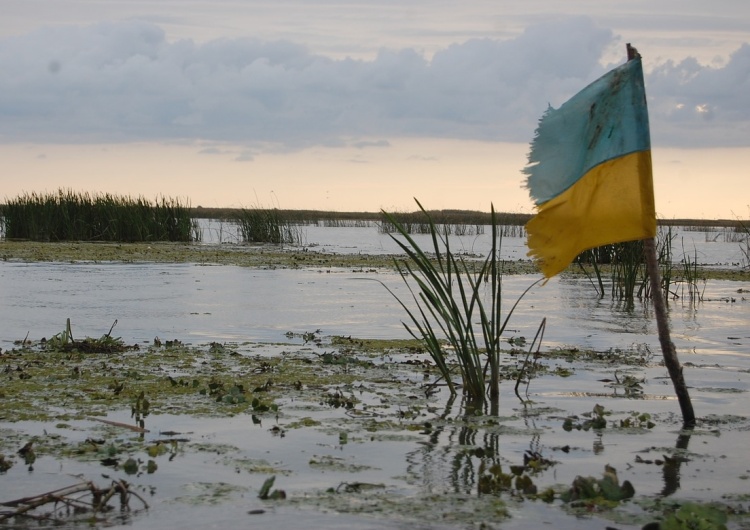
<point>611,203</point>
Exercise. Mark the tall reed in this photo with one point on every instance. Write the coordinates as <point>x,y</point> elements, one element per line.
<point>744,241</point>
<point>628,275</point>
<point>691,276</point>
<point>625,263</point>
<point>266,225</point>
<point>449,298</point>
<point>80,216</point>
<point>628,266</point>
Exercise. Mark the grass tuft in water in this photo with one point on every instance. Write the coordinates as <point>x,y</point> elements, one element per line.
<point>449,298</point>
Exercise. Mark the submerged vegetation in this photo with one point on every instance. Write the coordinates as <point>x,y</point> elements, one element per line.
<point>628,275</point>
<point>71,216</point>
<point>342,401</point>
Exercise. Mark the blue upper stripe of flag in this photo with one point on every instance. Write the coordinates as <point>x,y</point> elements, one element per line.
<point>606,120</point>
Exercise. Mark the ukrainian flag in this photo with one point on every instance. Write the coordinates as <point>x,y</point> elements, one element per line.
<point>589,171</point>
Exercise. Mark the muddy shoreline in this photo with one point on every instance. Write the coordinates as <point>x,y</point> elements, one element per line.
<point>248,255</point>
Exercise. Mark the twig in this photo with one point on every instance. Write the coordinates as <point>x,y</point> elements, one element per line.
<point>63,495</point>
<point>133,428</point>
<point>539,335</point>
<point>30,503</point>
<point>109,334</point>
<point>68,490</point>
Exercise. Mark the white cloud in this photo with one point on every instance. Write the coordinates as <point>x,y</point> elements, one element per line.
<point>124,81</point>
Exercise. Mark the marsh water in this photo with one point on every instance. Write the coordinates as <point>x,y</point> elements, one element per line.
<point>267,312</point>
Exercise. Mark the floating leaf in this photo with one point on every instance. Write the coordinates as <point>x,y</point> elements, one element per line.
<point>694,516</point>
<point>607,488</point>
<point>130,466</point>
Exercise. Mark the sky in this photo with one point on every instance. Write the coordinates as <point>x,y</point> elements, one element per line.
<point>358,105</point>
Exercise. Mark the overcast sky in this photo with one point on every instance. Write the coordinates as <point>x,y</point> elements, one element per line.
<point>360,104</point>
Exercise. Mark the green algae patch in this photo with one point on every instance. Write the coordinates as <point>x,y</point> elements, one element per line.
<point>256,256</point>
<point>379,346</point>
<point>259,256</point>
<point>380,500</point>
<point>210,493</point>
<point>312,416</point>
<point>303,422</point>
<point>253,465</point>
<point>43,383</point>
<point>333,463</point>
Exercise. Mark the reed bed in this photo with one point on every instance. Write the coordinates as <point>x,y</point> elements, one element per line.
<point>267,225</point>
<point>344,223</point>
<point>628,278</point>
<point>421,227</point>
<point>75,216</point>
<point>364,219</point>
<point>453,222</point>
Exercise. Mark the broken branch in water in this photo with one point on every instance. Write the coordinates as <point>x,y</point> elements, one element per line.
<point>133,428</point>
<point>65,496</point>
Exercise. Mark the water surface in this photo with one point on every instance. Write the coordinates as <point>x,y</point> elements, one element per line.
<point>200,304</point>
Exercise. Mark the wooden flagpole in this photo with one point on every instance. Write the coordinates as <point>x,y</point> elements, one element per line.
<point>667,346</point>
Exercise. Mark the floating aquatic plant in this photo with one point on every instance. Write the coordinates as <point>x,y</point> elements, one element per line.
<point>607,489</point>
<point>65,342</point>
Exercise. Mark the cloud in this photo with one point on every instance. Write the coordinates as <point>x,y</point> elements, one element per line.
<point>124,81</point>
<point>363,144</point>
<point>212,151</point>
<point>693,105</point>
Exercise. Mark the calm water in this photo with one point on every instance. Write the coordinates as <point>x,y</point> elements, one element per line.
<point>718,246</point>
<point>200,304</point>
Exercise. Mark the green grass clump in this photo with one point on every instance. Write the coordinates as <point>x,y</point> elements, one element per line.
<point>75,216</point>
<point>450,301</point>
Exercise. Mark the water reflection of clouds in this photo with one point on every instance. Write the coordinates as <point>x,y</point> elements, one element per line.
<point>718,246</point>
<point>226,303</point>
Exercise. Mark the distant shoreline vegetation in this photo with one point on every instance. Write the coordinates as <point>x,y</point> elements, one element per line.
<point>450,216</point>
<point>67,215</point>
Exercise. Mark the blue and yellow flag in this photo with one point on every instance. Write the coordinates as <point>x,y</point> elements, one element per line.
<point>589,171</point>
